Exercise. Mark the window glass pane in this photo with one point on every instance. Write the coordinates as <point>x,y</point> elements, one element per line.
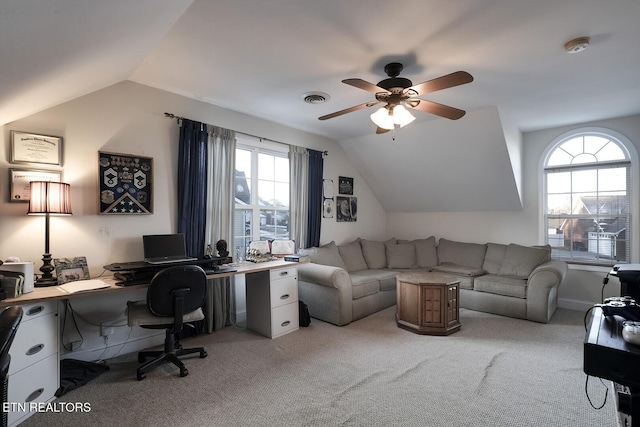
<point>266,195</point>
<point>558,182</point>
<point>281,195</point>
<point>574,146</point>
<point>281,169</point>
<point>242,231</point>
<point>614,179</point>
<point>611,151</point>
<point>559,157</point>
<point>558,204</point>
<point>243,176</point>
<point>265,167</point>
<point>586,180</point>
<point>584,158</point>
<point>593,144</point>
<point>274,224</point>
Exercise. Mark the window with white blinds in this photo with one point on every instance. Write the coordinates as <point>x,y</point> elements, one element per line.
<point>587,200</point>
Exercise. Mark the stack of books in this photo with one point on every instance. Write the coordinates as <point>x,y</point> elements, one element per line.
<point>296,257</point>
<point>11,284</point>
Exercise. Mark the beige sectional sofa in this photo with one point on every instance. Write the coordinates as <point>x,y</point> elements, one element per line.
<point>348,282</point>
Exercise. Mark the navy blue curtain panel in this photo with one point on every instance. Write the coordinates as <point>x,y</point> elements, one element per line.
<point>192,185</point>
<point>314,218</point>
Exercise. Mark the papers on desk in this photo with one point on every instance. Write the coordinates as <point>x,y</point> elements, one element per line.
<point>83,285</point>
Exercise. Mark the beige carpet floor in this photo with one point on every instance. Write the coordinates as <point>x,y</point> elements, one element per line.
<point>496,371</point>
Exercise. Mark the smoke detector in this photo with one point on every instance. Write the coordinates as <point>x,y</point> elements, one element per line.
<point>315,97</point>
<point>576,45</point>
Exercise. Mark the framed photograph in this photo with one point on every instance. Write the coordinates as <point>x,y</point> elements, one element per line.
<point>33,148</point>
<point>19,180</point>
<point>346,209</point>
<point>125,184</point>
<point>345,185</point>
<point>71,269</point>
<point>328,207</point>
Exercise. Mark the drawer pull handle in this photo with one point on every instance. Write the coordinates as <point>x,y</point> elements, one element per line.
<point>285,296</point>
<point>35,310</point>
<point>284,273</point>
<point>285,323</point>
<point>35,349</point>
<point>34,395</point>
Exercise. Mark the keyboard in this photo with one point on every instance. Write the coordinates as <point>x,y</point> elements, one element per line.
<point>168,260</point>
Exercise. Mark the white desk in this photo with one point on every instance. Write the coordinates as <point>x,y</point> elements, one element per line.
<point>272,311</point>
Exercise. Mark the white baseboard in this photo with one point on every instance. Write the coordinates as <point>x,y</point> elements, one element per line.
<point>575,305</point>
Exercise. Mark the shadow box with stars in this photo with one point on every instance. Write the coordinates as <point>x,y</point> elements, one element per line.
<point>125,184</point>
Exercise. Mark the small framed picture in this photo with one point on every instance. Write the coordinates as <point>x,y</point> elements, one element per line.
<point>33,148</point>
<point>71,269</point>
<point>20,178</point>
<point>328,207</point>
<point>346,209</point>
<point>345,185</point>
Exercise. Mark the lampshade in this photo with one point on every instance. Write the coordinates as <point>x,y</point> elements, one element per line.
<point>386,119</point>
<point>49,198</point>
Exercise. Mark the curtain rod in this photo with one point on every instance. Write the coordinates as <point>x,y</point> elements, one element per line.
<point>178,118</point>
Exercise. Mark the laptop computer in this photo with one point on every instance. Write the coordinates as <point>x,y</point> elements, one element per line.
<point>165,248</point>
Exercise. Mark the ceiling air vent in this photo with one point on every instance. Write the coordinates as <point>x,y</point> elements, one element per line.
<point>315,97</point>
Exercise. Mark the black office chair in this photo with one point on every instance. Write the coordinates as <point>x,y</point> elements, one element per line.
<point>174,297</point>
<point>9,320</point>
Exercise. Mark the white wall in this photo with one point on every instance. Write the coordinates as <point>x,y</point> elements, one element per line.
<point>583,285</point>
<point>129,118</point>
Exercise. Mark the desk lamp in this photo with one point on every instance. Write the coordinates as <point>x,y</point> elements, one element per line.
<point>48,198</point>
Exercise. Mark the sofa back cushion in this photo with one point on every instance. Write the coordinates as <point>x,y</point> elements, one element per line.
<point>426,254</point>
<point>461,253</point>
<point>374,253</point>
<point>520,261</point>
<point>326,255</point>
<point>494,257</point>
<point>401,255</point>
<point>351,254</point>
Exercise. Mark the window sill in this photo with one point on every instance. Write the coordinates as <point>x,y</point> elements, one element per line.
<point>590,267</point>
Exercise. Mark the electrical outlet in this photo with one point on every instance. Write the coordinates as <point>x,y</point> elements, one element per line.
<point>106,330</point>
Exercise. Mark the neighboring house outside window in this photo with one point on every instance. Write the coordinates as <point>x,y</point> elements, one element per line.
<point>587,199</point>
<point>262,195</point>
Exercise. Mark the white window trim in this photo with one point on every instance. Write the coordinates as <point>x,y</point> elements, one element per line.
<point>630,151</point>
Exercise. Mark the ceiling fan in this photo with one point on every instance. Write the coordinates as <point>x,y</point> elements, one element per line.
<point>399,92</point>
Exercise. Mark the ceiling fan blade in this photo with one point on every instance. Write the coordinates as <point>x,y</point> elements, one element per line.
<point>349,110</point>
<point>380,130</point>
<point>450,80</point>
<point>435,108</point>
<point>364,85</point>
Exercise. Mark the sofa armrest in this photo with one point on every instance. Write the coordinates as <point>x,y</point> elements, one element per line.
<point>327,291</point>
<point>542,289</point>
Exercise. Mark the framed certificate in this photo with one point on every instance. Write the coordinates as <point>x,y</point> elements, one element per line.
<point>32,148</point>
<point>20,179</point>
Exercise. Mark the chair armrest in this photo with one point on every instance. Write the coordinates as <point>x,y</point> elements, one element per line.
<point>325,275</point>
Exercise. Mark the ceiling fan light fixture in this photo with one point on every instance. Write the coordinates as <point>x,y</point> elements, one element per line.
<point>402,116</point>
<point>382,119</point>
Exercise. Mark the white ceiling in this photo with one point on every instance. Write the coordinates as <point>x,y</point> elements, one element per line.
<point>259,57</point>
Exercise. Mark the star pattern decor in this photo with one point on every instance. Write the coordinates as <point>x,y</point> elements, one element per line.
<point>125,184</point>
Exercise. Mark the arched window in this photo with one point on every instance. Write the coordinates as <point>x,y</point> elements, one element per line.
<point>587,199</point>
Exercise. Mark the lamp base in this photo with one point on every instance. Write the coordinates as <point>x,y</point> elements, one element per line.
<point>45,281</point>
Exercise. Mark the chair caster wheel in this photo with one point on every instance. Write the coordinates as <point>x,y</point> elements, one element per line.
<point>141,377</point>
<point>203,354</point>
<point>184,372</point>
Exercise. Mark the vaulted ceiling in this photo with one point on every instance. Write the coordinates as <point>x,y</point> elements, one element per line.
<point>259,57</point>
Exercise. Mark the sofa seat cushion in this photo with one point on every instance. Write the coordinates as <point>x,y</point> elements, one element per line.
<point>364,284</point>
<point>459,270</point>
<point>386,278</point>
<point>501,285</point>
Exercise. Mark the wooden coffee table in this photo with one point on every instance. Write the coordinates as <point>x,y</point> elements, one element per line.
<point>427,303</point>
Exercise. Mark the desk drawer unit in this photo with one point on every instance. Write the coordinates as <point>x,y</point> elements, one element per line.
<point>34,372</point>
<point>272,302</point>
